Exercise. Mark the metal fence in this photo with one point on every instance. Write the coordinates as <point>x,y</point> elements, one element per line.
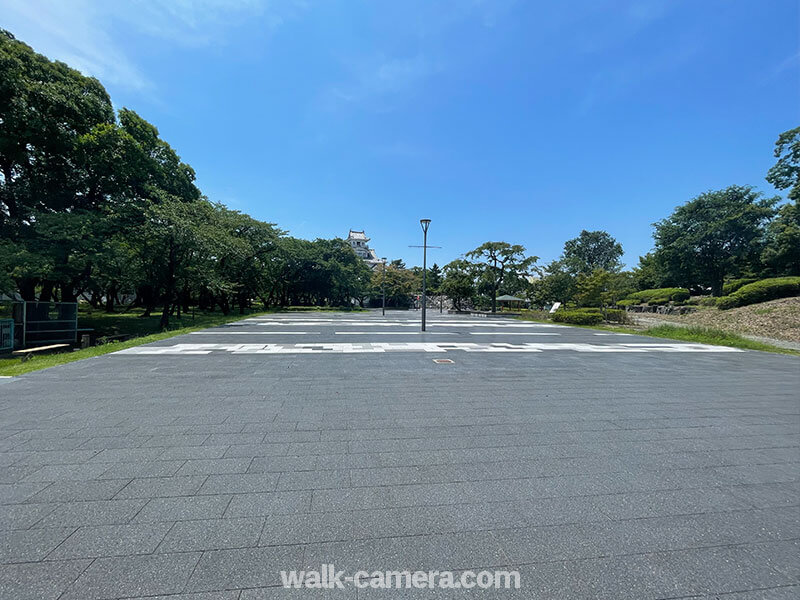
<point>46,322</point>
<point>6,334</point>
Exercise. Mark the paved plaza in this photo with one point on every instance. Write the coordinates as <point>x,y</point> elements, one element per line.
<point>596,464</point>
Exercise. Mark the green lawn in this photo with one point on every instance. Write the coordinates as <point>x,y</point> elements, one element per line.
<point>144,330</point>
<point>705,335</point>
<point>700,335</point>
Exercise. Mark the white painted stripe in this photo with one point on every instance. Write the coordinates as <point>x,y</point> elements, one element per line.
<point>395,332</point>
<point>416,324</point>
<point>254,332</point>
<point>504,333</point>
<point>381,347</point>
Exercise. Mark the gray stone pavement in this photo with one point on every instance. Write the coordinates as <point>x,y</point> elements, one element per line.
<point>598,466</point>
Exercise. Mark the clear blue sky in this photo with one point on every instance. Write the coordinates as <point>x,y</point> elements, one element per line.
<point>499,120</point>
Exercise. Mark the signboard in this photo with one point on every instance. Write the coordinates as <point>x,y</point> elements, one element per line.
<point>555,307</point>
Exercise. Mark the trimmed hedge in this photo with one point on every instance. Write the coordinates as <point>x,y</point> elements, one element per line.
<point>658,296</point>
<point>615,316</point>
<point>735,284</point>
<point>579,316</point>
<point>761,291</point>
<point>707,301</point>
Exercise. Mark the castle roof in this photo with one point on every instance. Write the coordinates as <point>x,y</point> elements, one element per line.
<point>356,235</point>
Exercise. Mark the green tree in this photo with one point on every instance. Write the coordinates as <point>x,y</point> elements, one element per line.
<point>434,279</point>
<point>651,272</point>
<point>557,284</point>
<point>781,254</point>
<point>713,236</point>
<point>458,283</point>
<point>45,109</point>
<point>400,285</point>
<point>494,261</point>
<point>592,288</point>
<point>785,174</point>
<point>176,246</point>
<point>602,288</point>
<point>590,251</point>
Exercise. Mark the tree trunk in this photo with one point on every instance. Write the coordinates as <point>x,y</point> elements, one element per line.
<point>169,291</point>
<point>68,293</point>
<point>47,291</point>
<point>164,322</point>
<point>186,297</point>
<point>111,295</point>
<point>27,289</point>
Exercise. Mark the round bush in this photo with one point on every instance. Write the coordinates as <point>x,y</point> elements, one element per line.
<point>578,317</point>
<point>761,291</point>
<point>660,295</point>
<point>735,284</point>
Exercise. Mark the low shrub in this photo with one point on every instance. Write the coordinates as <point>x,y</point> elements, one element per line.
<point>626,302</point>
<point>735,284</point>
<point>579,316</point>
<point>706,301</point>
<point>659,296</point>
<point>761,291</point>
<point>615,316</point>
<point>534,315</point>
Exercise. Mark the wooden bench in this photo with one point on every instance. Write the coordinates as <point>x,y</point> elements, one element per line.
<point>26,353</point>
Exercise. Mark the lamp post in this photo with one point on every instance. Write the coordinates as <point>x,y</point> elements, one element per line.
<point>383,288</point>
<point>425,223</point>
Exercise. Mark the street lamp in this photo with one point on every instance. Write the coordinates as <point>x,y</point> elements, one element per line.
<point>425,223</point>
<point>383,288</point>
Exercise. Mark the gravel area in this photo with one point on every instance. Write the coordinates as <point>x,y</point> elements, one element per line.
<point>768,321</point>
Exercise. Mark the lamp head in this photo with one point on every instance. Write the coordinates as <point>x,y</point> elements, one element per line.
<point>425,223</point>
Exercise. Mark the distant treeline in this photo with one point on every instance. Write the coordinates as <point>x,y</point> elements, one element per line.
<point>95,204</point>
<point>733,234</point>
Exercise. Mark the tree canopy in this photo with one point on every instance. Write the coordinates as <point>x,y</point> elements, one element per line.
<point>718,234</point>
<point>97,205</point>
<point>590,251</point>
<point>94,204</point>
<point>786,172</point>
<point>495,262</point>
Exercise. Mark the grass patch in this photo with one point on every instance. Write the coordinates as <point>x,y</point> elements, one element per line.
<point>117,324</point>
<point>539,316</point>
<point>715,337</point>
<point>318,309</point>
<point>698,335</point>
<point>143,329</point>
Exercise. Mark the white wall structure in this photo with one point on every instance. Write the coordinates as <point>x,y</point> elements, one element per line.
<point>359,243</point>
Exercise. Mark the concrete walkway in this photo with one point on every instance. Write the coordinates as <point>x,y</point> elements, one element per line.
<point>597,465</point>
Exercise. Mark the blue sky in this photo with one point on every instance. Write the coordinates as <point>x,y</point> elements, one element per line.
<point>498,120</point>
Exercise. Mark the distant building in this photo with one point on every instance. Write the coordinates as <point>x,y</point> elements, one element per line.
<point>358,242</point>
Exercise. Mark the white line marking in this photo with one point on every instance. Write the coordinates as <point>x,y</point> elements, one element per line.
<point>372,347</point>
<point>504,333</point>
<point>415,324</point>
<point>254,332</point>
<point>394,332</point>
